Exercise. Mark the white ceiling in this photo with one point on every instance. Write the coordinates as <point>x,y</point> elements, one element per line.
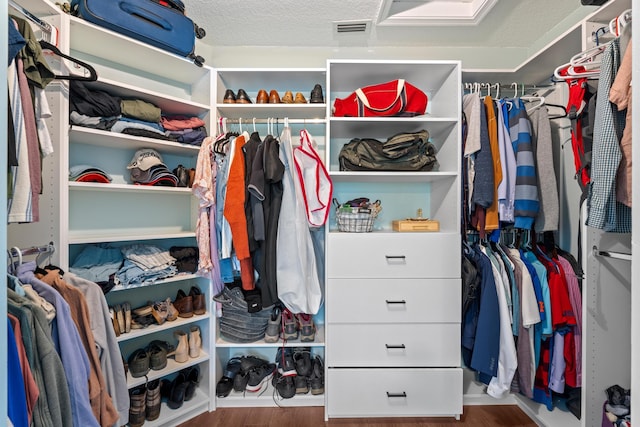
<point>309,23</point>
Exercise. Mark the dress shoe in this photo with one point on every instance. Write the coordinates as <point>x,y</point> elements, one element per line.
<point>274,97</point>
<point>300,99</point>
<point>316,95</point>
<point>287,98</point>
<point>242,97</point>
<point>262,97</point>
<point>184,304</point>
<point>229,97</point>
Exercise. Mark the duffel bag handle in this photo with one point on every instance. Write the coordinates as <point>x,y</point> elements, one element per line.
<point>138,11</point>
<point>363,97</point>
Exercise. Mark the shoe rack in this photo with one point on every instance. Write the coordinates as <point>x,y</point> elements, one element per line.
<point>270,84</point>
<point>405,330</point>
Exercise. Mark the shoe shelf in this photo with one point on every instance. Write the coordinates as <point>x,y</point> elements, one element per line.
<point>292,111</point>
<point>102,138</point>
<point>124,235</point>
<point>266,398</point>
<point>152,329</point>
<point>172,366</point>
<point>318,342</point>
<point>198,404</point>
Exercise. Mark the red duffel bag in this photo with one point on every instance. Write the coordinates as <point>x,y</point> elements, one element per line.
<point>395,98</point>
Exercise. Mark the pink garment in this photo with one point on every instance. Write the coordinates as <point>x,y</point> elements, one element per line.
<point>620,94</point>
<point>33,144</point>
<point>204,190</point>
<point>181,122</point>
<point>30,387</point>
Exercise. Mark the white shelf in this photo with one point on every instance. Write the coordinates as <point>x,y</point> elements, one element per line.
<point>92,39</point>
<point>177,278</point>
<point>267,398</point>
<point>420,119</point>
<point>112,235</point>
<point>172,366</point>
<point>152,329</point>
<point>292,111</point>
<point>102,138</point>
<point>318,342</point>
<point>198,404</point>
<point>96,186</point>
<point>366,176</point>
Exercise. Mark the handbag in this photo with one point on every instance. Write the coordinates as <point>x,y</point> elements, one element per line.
<point>408,151</point>
<point>314,179</point>
<point>395,98</point>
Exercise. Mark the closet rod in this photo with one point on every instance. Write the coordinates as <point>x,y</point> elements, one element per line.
<point>50,247</point>
<point>273,121</point>
<point>611,254</point>
<point>39,22</point>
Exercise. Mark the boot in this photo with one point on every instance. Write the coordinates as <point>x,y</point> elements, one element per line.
<point>195,342</point>
<point>153,400</point>
<point>182,349</point>
<point>137,405</point>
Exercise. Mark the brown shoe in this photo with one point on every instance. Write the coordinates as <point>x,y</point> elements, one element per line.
<point>184,304</point>
<point>287,98</point>
<point>274,97</point>
<point>199,303</point>
<point>262,97</point>
<point>192,177</point>
<point>300,99</point>
<point>116,325</point>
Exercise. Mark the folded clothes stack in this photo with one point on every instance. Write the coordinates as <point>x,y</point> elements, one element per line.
<point>87,173</point>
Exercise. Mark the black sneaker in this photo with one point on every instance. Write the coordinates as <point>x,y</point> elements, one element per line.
<point>240,381</point>
<point>260,376</point>
<point>302,384</point>
<point>284,360</point>
<point>302,360</point>
<point>316,380</point>
<point>284,385</point>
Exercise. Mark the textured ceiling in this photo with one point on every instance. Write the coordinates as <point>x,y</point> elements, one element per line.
<point>295,23</point>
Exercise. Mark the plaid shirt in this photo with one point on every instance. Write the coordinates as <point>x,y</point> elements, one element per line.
<point>604,211</point>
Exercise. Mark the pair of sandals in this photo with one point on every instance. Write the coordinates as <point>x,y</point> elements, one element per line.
<point>154,356</point>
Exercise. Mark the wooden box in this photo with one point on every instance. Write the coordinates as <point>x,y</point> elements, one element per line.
<point>416,225</point>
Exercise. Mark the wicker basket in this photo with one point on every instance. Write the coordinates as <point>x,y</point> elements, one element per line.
<point>357,220</point>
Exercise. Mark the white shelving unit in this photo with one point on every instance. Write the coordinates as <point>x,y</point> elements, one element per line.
<point>303,116</point>
<point>405,330</point>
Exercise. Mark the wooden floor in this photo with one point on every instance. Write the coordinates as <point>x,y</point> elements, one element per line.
<point>480,416</point>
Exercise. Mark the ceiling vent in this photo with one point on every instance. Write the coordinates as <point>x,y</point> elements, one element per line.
<point>361,28</point>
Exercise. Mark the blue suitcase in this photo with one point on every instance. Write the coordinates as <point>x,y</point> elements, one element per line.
<point>159,23</point>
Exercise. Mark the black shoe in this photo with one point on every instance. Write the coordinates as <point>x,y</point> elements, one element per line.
<point>229,97</point>
<point>260,376</point>
<point>242,97</point>
<point>302,360</point>
<point>316,380</point>
<point>284,360</point>
<point>193,379</point>
<point>183,176</point>
<point>284,386</point>
<point>302,384</point>
<point>225,385</point>
<point>316,95</point>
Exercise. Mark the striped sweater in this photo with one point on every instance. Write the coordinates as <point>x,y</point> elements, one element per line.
<point>526,196</point>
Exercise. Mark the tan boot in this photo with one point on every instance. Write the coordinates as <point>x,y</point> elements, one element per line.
<point>195,342</point>
<point>182,349</point>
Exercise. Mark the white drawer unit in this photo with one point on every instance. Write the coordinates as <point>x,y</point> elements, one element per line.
<point>393,255</point>
<point>394,345</point>
<point>393,300</point>
<point>395,392</point>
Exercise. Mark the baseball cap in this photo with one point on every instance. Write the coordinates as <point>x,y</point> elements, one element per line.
<point>87,173</point>
<point>144,159</point>
<point>93,177</point>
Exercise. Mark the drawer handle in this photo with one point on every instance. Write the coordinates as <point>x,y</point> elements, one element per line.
<point>396,302</point>
<point>395,346</point>
<point>403,394</point>
<point>395,256</point>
